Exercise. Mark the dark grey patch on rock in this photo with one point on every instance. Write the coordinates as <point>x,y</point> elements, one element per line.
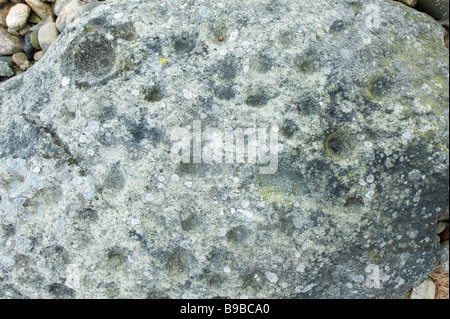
<point>254,280</point>
<point>115,181</point>
<point>257,98</point>
<point>90,58</point>
<point>153,94</point>
<point>190,222</point>
<point>238,235</point>
<point>89,214</point>
<point>185,43</point>
<point>225,92</point>
<point>56,256</point>
<point>125,31</point>
<point>8,230</point>
<point>61,291</point>
<point>338,26</point>
<point>116,257</point>
<point>156,294</point>
<point>310,61</point>
<point>289,128</point>
<point>181,262</point>
<point>227,68</point>
<point>340,142</point>
<point>261,63</point>
<point>382,86</point>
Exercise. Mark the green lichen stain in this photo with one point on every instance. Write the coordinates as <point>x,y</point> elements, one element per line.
<point>274,194</point>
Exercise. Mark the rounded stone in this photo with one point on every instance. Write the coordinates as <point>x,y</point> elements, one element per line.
<point>21,60</point>
<point>69,13</point>
<point>34,39</point>
<point>38,55</point>
<point>5,69</point>
<point>10,44</point>
<point>18,16</point>
<point>47,35</point>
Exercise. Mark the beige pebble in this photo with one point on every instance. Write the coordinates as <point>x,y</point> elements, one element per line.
<point>47,35</point>
<point>10,44</point>
<point>38,55</point>
<point>21,60</point>
<point>42,9</point>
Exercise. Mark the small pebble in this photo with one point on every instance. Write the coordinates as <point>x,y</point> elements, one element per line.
<point>38,55</point>
<point>5,69</point>
<point>18,16</point>
<point>47,35</point>
<point>21,60</point>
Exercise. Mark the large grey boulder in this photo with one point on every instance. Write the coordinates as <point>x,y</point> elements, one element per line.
<point>93,205</point>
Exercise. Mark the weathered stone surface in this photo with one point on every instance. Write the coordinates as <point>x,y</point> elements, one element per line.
<point>69,13</point>
<point>59,5</point>
<point>93,206</point>
<point>41,8</point>
<point>426,290</point>
<point>5,69</point>
<point>10,44</point>
<point>444,257</point>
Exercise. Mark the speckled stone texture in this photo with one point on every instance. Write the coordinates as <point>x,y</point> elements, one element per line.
<point>91,205</point>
